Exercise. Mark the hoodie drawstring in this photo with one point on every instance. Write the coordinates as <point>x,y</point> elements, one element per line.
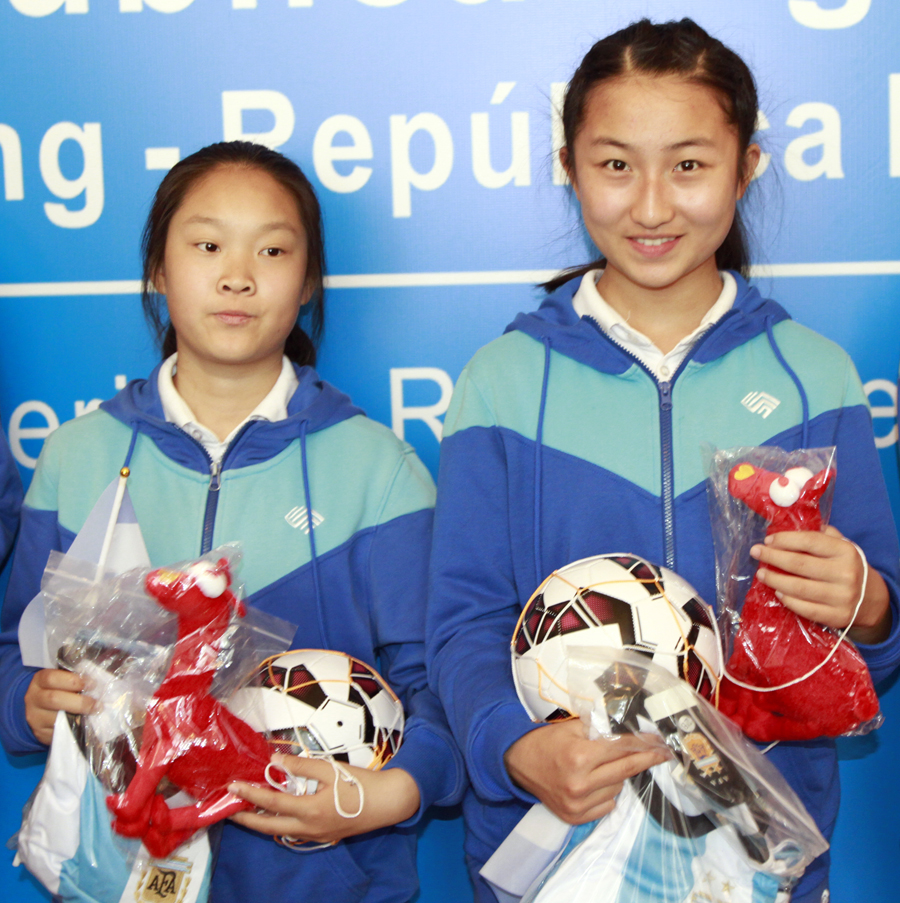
<point>804,401</point>
<point>314,561</point>
<point>538,463</point>
<point>134,435</point>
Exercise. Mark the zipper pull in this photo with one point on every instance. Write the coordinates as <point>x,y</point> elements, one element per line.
<point>215,476</point>
<point>665,396</point>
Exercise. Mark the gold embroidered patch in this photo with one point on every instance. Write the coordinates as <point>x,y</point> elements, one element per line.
<point>164,882</point>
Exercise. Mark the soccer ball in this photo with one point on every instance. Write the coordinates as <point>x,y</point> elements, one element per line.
<point>618,601</point>
<point>323,704</point>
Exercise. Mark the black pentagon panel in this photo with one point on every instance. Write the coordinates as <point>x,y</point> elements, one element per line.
<point>364,679</point>
<point>303,686</point>
<point>272,676</point>
<point>609,610</point>
<point>559,715</point>
<point>640,569</point>
<point>569,622</point>
<point>697,612</point>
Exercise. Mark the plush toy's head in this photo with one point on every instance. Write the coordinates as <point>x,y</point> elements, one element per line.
<point>790,500</point>
<point>198,591</point>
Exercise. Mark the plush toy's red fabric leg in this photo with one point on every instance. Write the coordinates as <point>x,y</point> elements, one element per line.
<point>128,805</point>
<point>216,807</point>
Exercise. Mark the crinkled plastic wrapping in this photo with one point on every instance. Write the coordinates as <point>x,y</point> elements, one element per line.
<point>128,648</point>
<point>786,678</point>
<point>716,822</point>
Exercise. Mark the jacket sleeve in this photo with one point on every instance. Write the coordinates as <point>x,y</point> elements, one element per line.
<point>396,578</point>
<point>862,512</point>
<point>10,497</point>
<point>39,534</point>
<point>474,599</point>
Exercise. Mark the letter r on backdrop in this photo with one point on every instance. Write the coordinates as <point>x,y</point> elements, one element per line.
<point>428,414</point>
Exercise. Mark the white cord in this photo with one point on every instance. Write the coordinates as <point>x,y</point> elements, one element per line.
<point>341,774</point>
<point>834,648</point>
<point>292,785</point>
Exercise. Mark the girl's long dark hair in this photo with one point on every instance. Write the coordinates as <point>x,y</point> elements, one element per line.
<point>300,346</point>
<point>668,48</point>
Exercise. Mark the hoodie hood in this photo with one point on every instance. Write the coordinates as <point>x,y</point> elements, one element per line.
<point>556,323</point>
<point>315,405</point>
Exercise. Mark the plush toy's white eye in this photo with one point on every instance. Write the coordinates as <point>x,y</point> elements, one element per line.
<point>799,475</point>
<point>786,490</point>
<point>211,583</point>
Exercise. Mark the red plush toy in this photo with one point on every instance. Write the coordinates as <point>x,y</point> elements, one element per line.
<point>774,646</point>
<point>189,737</point>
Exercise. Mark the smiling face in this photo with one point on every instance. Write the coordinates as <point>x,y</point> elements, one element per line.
<point>234,269</point>
<point>656,169</point>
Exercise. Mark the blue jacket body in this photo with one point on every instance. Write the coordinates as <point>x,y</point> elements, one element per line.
<point>355,582</point>
<point>559,445</point>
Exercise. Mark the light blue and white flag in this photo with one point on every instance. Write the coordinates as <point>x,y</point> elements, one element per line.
<point>66,839</point>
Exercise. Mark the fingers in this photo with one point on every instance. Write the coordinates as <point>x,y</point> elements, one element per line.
<point>587,800</point>
<point>576,778</point>
<point>265,823</point>
<point>304,767</point>
<point>50,691</point>
<point>817,575</point>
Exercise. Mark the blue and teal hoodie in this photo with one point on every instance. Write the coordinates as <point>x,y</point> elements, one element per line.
<point>558,445</point>
<point>352,575</point>
<point>10,497</point>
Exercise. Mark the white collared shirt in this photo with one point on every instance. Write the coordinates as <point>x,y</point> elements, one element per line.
<point>272,408</point>
<point>588,301</point>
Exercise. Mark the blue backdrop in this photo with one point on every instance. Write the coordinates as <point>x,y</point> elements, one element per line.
<point>427,127</point>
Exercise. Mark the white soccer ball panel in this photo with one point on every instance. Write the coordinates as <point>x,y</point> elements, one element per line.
<point>387,713</point>
<point>338,725</point>
<point>266,709</point>
<point>658,624</point>
<point>330,669</point>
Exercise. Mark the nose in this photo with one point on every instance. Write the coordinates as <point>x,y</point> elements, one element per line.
<point>237,276</point>
<point>652,205</point>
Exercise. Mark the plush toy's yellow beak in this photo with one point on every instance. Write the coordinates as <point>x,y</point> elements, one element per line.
<point>744,472</point>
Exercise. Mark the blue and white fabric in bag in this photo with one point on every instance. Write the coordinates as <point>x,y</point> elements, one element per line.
<point>716,823</point>
<point>66,840</point>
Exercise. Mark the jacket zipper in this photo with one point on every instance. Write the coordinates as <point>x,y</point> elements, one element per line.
<point>212,502</point>
<point>668,471</point>
<point>212,492</point>
<point>667,458</point>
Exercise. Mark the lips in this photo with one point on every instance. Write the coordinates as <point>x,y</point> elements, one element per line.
<point>653,246</point>
<point>233,317</point>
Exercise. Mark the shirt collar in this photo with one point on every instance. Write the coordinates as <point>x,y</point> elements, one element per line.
<point>176,410</point>
<point>588,301</point>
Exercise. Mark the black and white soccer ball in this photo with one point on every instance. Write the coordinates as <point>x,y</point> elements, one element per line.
<point>614,601</point>
<point>323,704</point>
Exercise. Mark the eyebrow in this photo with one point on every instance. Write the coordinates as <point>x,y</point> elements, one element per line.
<point>265,227</point>
<point>678,145</point>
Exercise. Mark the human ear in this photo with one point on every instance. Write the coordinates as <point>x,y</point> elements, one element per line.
<point>307,292</point>
<point>158,281</point>
<point>749,164</point>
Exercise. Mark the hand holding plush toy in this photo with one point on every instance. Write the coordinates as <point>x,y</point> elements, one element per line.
<point>189,737</point>
<point>775,646</point>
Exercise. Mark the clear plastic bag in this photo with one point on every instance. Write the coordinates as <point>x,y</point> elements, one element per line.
<point>160,651</point>
<point>786,677</point>
<point>715,822</point>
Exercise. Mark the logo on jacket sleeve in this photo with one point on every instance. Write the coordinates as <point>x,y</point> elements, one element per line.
<point>298,517</point>
<point>760,403</point>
